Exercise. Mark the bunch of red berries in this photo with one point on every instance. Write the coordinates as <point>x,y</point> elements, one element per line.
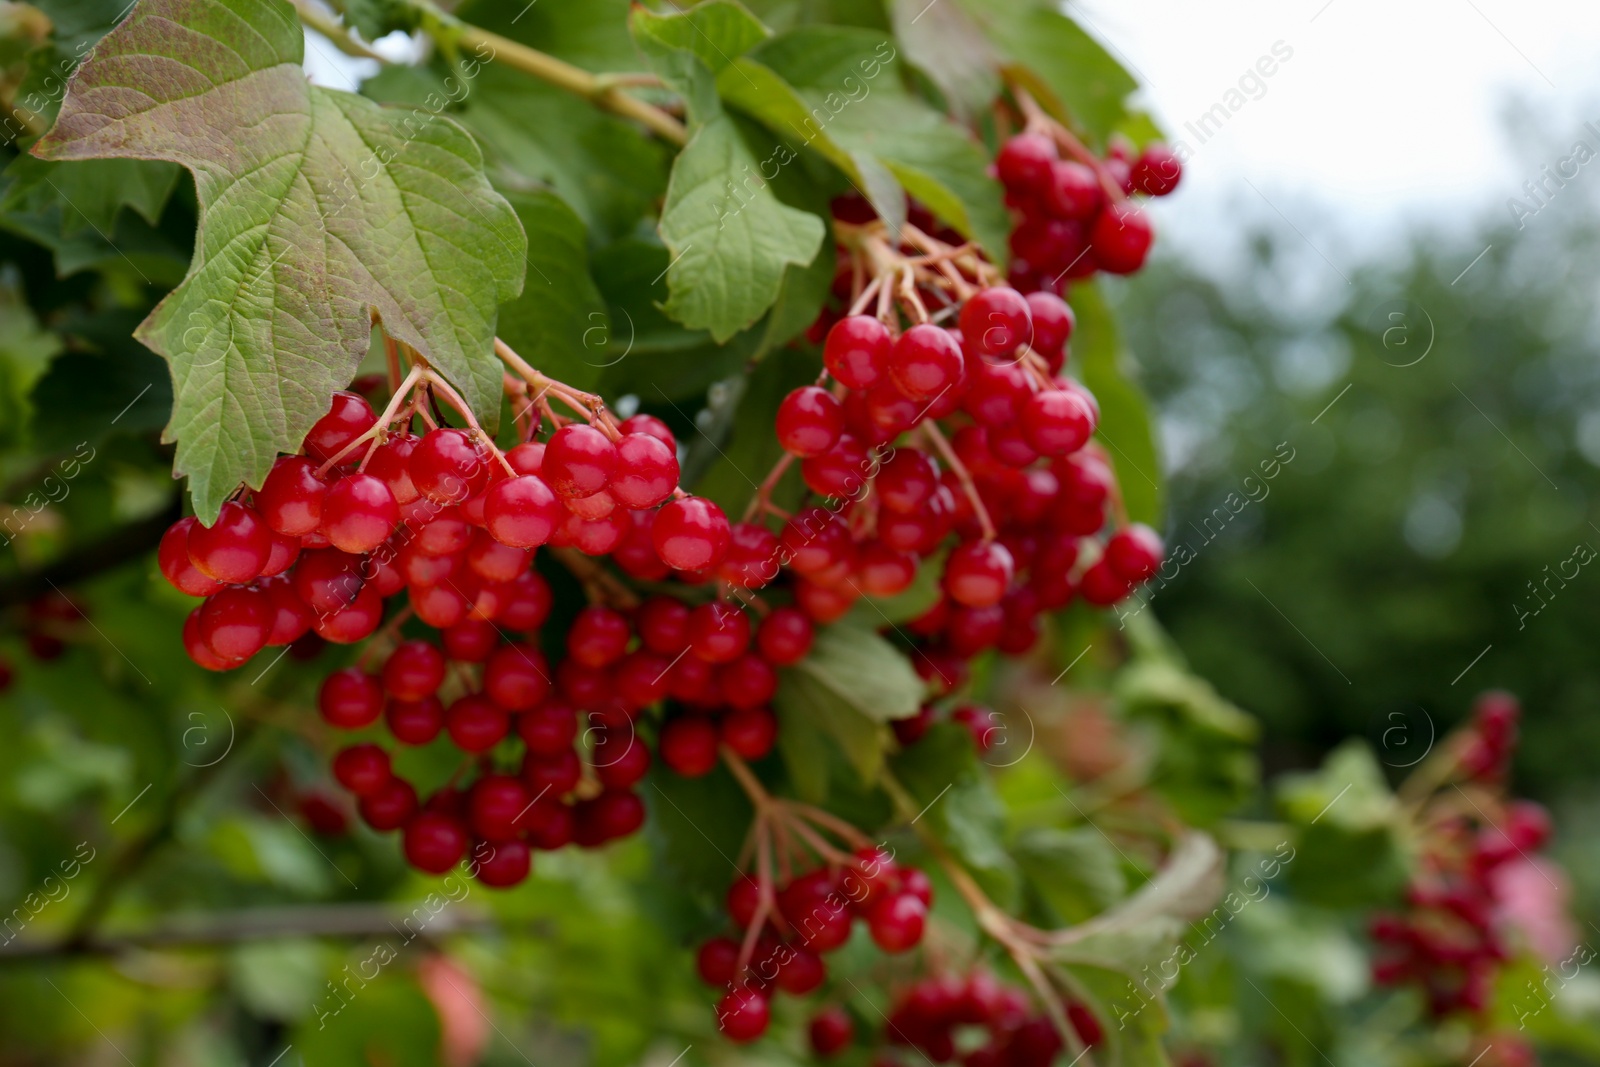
<point>1448,940</point>
<point>977,1019</point>
<point>786,929</point>
<point>1073,216</point>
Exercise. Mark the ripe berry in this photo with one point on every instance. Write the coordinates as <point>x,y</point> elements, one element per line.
<point>856,352</point>
<point>1056,422</point>
<point>494,804</point>
<point>752,559</point>
<point>1157,171</point>
<point>493,561</point>
<point>235,622</point>
<point>448,466</point>
<point>548,729</point>
<point>353,623</point>
<point>872,876</point>
<point>362,769</point>
<point>977,573</point>
<point>620,760</point>
<point>784,636</point>
<point>290,500</point>
<point>444,533</point>
<point>506,864</point>
<point>350,699</point>
<point>552,776</point>
<point>476,723</point>
<point>440,606</point>
<point>200,652</point>
<point>517,677</point>
<point>614,813</point>
<point>1053,322</point>
<point>996,321</point>
<point>1073,190</point>
<point>830,1031</point>
<point>234,549</point>
<point>663,623</point>
<point>414,670</point>
<point>649,424</point>
<point>814,540</point>
<point>688,745</point>
<point>690,534</point>
<point>359,513</point>
<point>598,636</point>
<point>281,556</point>
<point>719,632</point>
<point>1102,586</point>
<point>348,418</point>
<point>327,580</point>
<point>529,603</point>
<point>925,361</point>
<point>743,1014</point>
<point>800,971</point>
<point>749,732</point>
<point>434,842</point>
<point>521,512</point>
<point>390,807</point>
<point>906,482</point>
<point>896,922</point>
<point>414,722</point>
<point>809,421</point>
<point>747,682</point>
<point>839,472</point>
<point>579,460</point>
<point>176,566</point>
<point>290,617</point>
<point>717,961</point>
<point>1024,160</point>
<point>1134,552</point>
<point>646,472</point>
<point>888,412</point>
<point>882,571</point>
<point>1009,446</point>
<point>1121,238</point>
<point>391,465</point>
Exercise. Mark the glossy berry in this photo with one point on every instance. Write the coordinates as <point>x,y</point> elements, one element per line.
<point>236,622</point>
<point>1134,552</point>
<point>663,623</point>
<point>800,971</point>
<point>359,513</point>
<point>1053,323</point>
<point>391,464</point>
<point>548,729</point>
<point>688,746</point>
<point>809,421</point>
<point>504,863</point>
<point>198,650</point>
<point>649,424</point>
<point>614,813</point>
<point>521,512</point>
<point>362,769</point>
<point>448,466</point>
<point>348,418</point>
<point>290,500</point>
<point>752,559</point>
<point>434,842</point>
<point>494,803</point>
<point>176,566</point>
<point>841,472</point>
<point>350,699</point>
<point>906,481</point>
<point>996,321</point>
<point>390,807</point>
<point>414,670</point>
<point>717,961</point>
<point>414,722</point>
<point>1073,191</point>
<point>925,362</point>
<point>1024,160</point>
<point>476,724</point>
<point>517,677</point>
<point>598,636</point>
<point>719,632</point>
<point>856,351</point>
<point>749,732</point>
<point>1102,586</point>
<point>579,460</point>
<point>234,549</point>
<point>784,636</point>
<point>1121,238</point>
<point>830,1031</point>
<point>977,573</point>
<point>1056,422</point>
<point>896,922</point>
<point>646,471</point>
<point>690,534</point>
<point>743,1015</point>
<point>1157,171</point>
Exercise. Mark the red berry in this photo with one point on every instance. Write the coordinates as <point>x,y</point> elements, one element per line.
<point>448,466</point>
<point>359,513</point>
<point>440,606</point>
<point>1157,171</point>
<point>800,970</point>
<point>176,566</point>
<point>579,460</point>
<point>784,636</point>
<point>997,393</point>
<point>414,670</point>
<point>907,481</point>
<point>362,769</point>
<point>688,745</point>
<point>831,1031</point>
<point>614,813</point>
<point>752,559</point>
<point>1121,238</point>
<point>717,961</point>
<point>690,534</point>
<point>1053,322</point>
<point>977,573</point>
<point>1024,160</point>
<point>390,807</point>
<point>548,729</point>
<point>521,512</point>
<point>529,603</point>
<point>996,321</point>
<point>348,418</point>
<point>620,760</point>
<point>506,864</point>
<point>476,723</point>
<point>234,549</point>
<point>391,465</point>
<point>1102,586</point>
<point>327,580</point>
<point>414,722</point>
<point>896,922</point>
<point>517,677</point>
<point>434,842</point>
<point>809,421</point>
<point>493,561</point>
<point>647,470</point>
<point>925,362</point>
<point>749,732</point>
<point>747,682</point>
<point>663,623</point>
<point>743,1015</point>
<point>1056,422</point>
<point>197,648</point>
<point>494,804</point>
<point>290,500</point>
<point>284,551</point>
<point>352,623</point>
<point>235,622</point>
<point>290,617</point>
<point>552,776</point>
<point>350,699</point>
<point>883,571</point>
<point>719,632</point>
<point>649,424</point>
<point>839,472</point>
<point>598,636</point>
<point>1134,552</point>
<point>814,540</point>
<point>471,640</point>
<point>856,352</point>
<point>1073,190</point>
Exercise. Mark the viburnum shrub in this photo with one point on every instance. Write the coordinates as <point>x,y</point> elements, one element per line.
<point>610,463</point>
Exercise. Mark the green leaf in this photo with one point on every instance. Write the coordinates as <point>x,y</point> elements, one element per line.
<point>862,741</point>
<point>1126,427</point>
<point>319,211</point>
<point>697,828</point>
<point>1068,71</point>
<point>916,599</point>
<point>865,671</point>
<point>387,1020</point>
<point>841,92</point>
<point>1350,847</point>
<point>1077,872</point>
<point>942,42</point>
<point>91,193</point>
<point>959,805</point>
<point>132,394</point>
<point>25,352</point>
<point>558,322</point>
<point>690,48</point>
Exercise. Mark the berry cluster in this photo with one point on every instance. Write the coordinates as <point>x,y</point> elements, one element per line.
<point>1448,941</point>
<point>1073,216</point>
<point>977,1019</point>
<point>786,929</point>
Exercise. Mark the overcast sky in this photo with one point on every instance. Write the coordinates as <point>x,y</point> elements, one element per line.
<point>1389,114</point>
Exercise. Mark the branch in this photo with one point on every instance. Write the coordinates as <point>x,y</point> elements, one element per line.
<point>336,34</point>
